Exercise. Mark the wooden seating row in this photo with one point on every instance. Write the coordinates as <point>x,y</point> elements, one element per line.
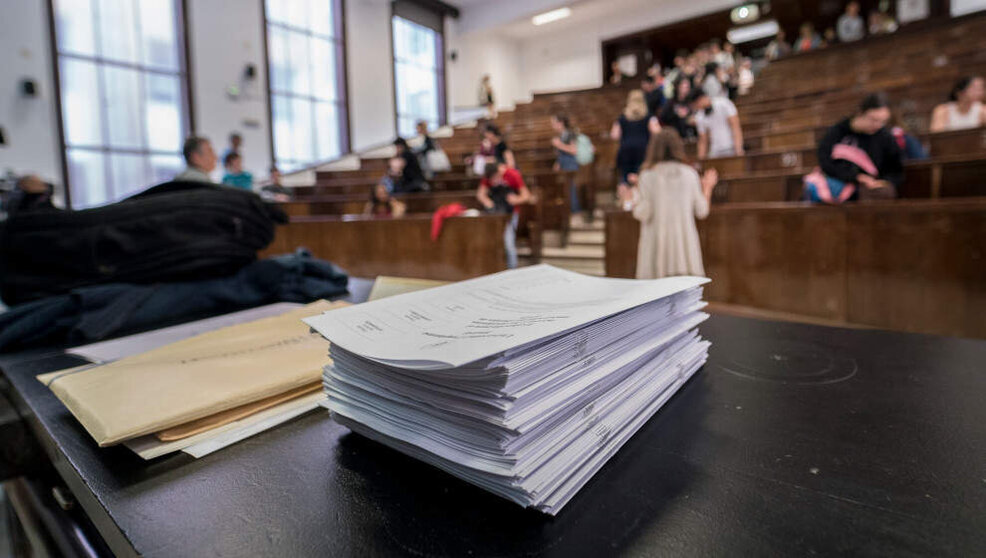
<point>914,265</point>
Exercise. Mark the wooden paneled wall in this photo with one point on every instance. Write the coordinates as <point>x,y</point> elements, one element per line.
<point>365,247</point>
<point>912,265</point>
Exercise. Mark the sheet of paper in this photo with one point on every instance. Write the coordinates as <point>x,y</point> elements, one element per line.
<point>195,377</point>
<point>460,323</point>
<point>227,439</point>
<point>115,349</point>
<point>149,447</point>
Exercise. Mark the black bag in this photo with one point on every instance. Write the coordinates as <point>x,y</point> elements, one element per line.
<point>177,231</point>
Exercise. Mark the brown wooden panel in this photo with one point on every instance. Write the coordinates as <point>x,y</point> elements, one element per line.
<point>622,237</point>
<point>788,257</point>
<point>762,189</point>
<point>963,179</point>
<point>468,246</point>
<point>958,143</point>
<point>919,266</point>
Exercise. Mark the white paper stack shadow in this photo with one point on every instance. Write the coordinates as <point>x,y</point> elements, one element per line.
<point>523,382</point>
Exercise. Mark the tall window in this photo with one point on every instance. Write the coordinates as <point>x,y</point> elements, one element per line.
<point>307,86</point>
<point>123,95</point>
<point>418,56</point>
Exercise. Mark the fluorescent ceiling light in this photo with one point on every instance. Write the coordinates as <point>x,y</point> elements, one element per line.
<point>753,32</point>
<point>553,15</point>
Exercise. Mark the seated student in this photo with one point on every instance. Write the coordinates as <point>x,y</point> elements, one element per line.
<point>501,190</point>
<point>719,132</point>
<point>671,197</point>
<point>858,157</point>
<point>501,153</point>
<point>882,23</point>
<point>382,205</point>
<point>412,178</point>
<point>29,194</point>
<point>808,39</point>
<point>850,26</point>
<point>273,190</point>
<point>676,112</point>
<point>235,175</point>
<point>778,47</point>
<point>200,160</point>
<point>964,109</point>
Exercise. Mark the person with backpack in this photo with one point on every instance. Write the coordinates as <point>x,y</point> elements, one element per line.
<point>565,146</point>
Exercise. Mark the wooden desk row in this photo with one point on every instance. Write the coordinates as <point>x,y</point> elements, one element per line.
<point>914,265</point>
<point>367,247</point>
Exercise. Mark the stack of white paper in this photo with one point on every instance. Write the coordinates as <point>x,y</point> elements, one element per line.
<point>524,382</point>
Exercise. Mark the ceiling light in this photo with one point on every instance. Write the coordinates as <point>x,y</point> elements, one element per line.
<point>753,32</point>
<point>553,15</point>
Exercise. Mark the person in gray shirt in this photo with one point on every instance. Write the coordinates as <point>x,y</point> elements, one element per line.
<point>200,158</point>
<point>850,26</point>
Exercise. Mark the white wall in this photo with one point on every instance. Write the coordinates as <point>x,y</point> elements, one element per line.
<point>29,123</point>
<point>225,36</point>
<point>479,54</point>
<point>962,7</point>
<point>371,73</point>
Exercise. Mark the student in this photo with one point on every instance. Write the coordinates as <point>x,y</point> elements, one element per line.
<point>882,23</point>
<point>778,47</point>
<point>412,178</point>
<point>616,74</point>
<point>30,194</point>
<point>719,132</point>
<point>564,144</point>
<point>808,39</point>
<point>200,160</point>
<point>671,197</point>
<point>676,112</point>
<point>672,77</point>
<point>633,130</point>
<point>486,96</point>
<point>273,190</point>
<point>858,157</point>
<point>502,190</point>
<point>382,205</point>
<point>850,26</point>
<point>653,95</point>
<point>726,58</point>
<point>235,145</point>
<point>712,84</point>
<point>745,77</point>
<point>235,175</point>
<point>501,153</point>
<point>964,109</point>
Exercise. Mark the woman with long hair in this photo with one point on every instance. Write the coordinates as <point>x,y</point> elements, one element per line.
<point>671,197</point>
<point>633,130</point>
<point>382,204</point>
<point>964,109</point>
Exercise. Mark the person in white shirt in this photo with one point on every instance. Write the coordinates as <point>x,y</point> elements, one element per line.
<point>200,158</point>
<point>965,108</point>
<point>717,121</point>
<point>850,26</point>
<point>745,79</point>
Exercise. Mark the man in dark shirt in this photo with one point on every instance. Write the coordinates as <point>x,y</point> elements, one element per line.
<point>412,177</point>
<point>844,149</point>
<point>653,94</point>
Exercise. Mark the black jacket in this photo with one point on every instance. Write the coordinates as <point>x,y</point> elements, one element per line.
<point>881,147</point>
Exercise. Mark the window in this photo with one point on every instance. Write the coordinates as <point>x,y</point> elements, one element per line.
<point>123,95</point>
<point>306,81</point>
<point>418,56</point>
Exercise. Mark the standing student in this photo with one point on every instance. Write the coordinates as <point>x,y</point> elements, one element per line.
<point>235,175</point>
<point>745,78</point>
<point>633,130</point>
<point>235,145</point>
<point>712,84</point>
<point>653,95</point>
<point>850,26</point>
<point>964,109</point>
<point>671,197</point>
<point>564,143</point>
<point>676,112</point>
<point>778,47</point>
<point>719,132</point>
<point>486,98</point>
<point>616,73</point>
<point>200,160</point>
<point>858,157</point>
<point>502,190</point>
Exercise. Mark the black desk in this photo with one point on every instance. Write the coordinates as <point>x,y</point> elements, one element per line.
<point>793,439</point>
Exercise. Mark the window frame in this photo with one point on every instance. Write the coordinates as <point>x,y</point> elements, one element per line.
<point>184,75</point>
<point>440,72</point>
<point>341,75</point>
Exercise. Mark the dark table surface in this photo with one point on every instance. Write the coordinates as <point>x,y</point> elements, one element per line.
<point>793,439</point>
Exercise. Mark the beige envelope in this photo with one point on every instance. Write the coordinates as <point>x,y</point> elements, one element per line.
<point>194,378</point>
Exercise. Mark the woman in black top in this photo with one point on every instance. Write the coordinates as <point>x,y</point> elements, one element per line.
<point>633,130</point>
<point>676,112</point>
<point>412,177</point>
<point>864,135</point>
<point>501,152</point>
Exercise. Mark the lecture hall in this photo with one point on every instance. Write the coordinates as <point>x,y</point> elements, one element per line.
<point>287,278</point>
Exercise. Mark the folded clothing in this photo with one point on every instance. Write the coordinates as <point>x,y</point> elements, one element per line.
<point>90,314</point>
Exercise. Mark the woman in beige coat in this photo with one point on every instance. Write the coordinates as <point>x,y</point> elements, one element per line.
<point>672,196</point>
